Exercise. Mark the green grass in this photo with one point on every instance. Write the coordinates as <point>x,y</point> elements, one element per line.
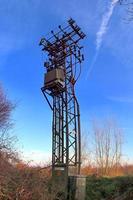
<point>118,188</point>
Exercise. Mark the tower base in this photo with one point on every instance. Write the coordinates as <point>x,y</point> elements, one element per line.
<point>77,187</point>
<point>60,182</point>
<point>72,187</point>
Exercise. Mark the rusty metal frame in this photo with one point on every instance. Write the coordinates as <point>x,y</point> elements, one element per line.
<point>63,50</point>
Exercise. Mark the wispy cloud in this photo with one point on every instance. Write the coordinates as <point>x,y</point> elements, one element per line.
<point>121,99</point>
<point>102,31</point>
<point>37,157</point>
<point>104,24</point>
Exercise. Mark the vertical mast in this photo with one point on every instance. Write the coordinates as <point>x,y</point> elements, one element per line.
<point>63,68</point>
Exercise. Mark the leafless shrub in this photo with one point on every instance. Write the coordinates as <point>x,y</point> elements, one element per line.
<point>128,5</point>
<point>107,146</point>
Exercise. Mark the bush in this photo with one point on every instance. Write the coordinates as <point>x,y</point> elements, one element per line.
<point>119,188</point>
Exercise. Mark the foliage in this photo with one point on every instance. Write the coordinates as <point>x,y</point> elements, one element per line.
<point>22,182</point>
<point>118,188</point>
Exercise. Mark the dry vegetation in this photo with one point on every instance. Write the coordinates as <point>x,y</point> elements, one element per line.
<point>123,170</point>
<point>18,181</point>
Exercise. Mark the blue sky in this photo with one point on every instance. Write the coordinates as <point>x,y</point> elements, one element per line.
<point>107,92</point>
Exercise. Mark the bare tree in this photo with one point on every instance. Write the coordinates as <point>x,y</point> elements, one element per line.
<point>86,155</point>
<point>128,4</point>
<point>7,143</point>
<point>6,108</point>
<point>107,146</point>
<point>6,140</point>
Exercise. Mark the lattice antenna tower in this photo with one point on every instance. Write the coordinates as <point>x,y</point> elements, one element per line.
<point>63,68</point>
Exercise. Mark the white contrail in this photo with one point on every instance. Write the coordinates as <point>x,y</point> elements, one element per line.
<point>102,31</point>
<point>92,64</point>
<point>104,25</point>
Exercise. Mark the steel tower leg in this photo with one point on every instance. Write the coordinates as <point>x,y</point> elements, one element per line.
<point>63,69</point>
